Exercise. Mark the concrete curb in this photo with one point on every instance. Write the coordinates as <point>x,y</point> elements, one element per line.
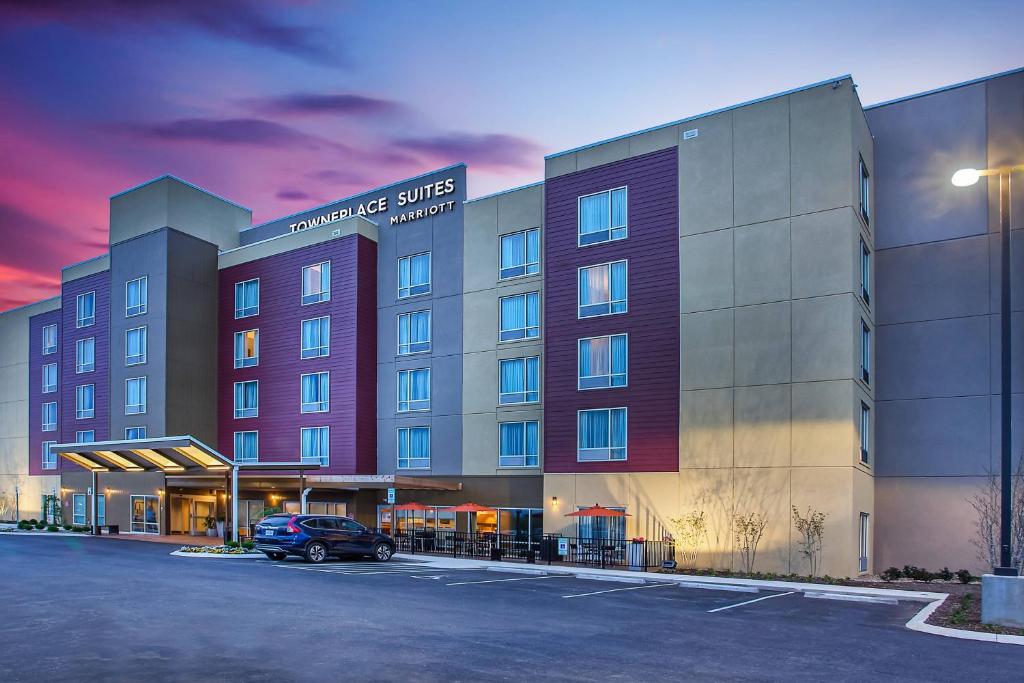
<point>917,623</point>
<point>44,532</point>
<point>221,556</point>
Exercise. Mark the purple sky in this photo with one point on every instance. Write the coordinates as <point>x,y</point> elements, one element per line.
<point>288,105</point>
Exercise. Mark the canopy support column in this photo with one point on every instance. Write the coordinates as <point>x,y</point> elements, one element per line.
<point>95,505</point>
<point>234,503</point>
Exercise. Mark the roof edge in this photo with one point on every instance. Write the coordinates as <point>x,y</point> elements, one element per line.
<point>170,176</point>
<point>945,88</point>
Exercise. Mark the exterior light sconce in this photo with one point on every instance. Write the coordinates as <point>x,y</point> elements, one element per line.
<point>554,501</point>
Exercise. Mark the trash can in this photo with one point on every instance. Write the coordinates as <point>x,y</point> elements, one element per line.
<point>549,550</point>
<point>635,553</point>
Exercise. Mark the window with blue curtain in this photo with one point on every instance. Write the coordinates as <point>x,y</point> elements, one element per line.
<point>136,296</point>
<point>413,332</point>
<point>247,446</point>
<point>247,348</point>
<point>49,339</point>
<point>519,444</point>
<point>414,275</point>
<point>520,380</point>
<point>413,447</point>
<point>247,298</point>
<point>85,309</point>
<point>413,390</point>
<point>50,416</point>
<point>85,355</point>
<point>316,337</point>
<point>602,217</point>
<point>520,254</point>
<point>603,362</point>
<point>247,399</point>
<point>85,436</point>
<point>601,435</point>
<point>316,283</point>
<point>316,445</point>
<point>316,392</point>
<point>603,289</point>
<point>85,397</point>
<point>49,378</point>
<point>597,529</point>
<point>520,317</point>
<point>132,433</point>
<point>135,396</point>
<point>49,459</point>
<point>135,346</point>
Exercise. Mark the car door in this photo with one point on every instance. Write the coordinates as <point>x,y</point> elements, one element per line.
<point>327,531</point>
<point>358,539</point>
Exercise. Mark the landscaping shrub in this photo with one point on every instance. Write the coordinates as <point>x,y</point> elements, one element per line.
<point>918,573</point>
<point>67,527</point>
<point>964,576</point>
<point>945,574</point>
<point>232,544</point>
<point>33,522</point>
<point>248,545</point>
<point>53,527</point>
<point>891,574</point>
<point>40,525</point>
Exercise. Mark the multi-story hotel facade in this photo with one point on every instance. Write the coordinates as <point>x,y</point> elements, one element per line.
<point>779,304</point>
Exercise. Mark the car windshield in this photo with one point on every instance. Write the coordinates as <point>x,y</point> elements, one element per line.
<point>275,521</point>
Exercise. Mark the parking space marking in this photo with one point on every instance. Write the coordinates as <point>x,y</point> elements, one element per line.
<point>363,569</point>
<point>748,602</point>
<point>519,578</point>
<point>614,590</point>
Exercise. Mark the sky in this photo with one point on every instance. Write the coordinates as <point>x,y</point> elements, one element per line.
<point>282,106</point>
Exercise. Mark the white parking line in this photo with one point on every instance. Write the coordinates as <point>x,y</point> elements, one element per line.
<point>521,578</point>
<point>613,590</point>
<point>740,604</point>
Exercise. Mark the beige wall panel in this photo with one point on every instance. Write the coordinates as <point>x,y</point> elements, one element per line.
<point>706,434</point>
<point>480,320</point>
<point>767,491</point>
<point>761,177</point>
<point>763,428</point>
<point>763,271</point>
<point>479,443</point>
<point>828,490</point>
<point>580,490</point>
<point>31,490</point>
<point>711,491</point>
<point>521,209</point>
<point>864,501</point>
<point>705,175</point>
<point>823,341</point>
<point>480,395</point>
<point>707,340</point>
<point>480,244</point>
<point>820,125</point>
<point>654,140</point>
<point>560,165</point>
<point>605,153</point>
<point>653,503</point>
<point>706,271</point>
<point>764,353</point>
<point>826,259</point>
<point>824,429</point>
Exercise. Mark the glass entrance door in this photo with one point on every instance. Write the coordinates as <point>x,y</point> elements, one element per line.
<point>145,514</point>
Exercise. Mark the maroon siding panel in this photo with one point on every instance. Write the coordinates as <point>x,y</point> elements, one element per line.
<point>36,397</point>
<point>652,397</point>
<point>280,365</point>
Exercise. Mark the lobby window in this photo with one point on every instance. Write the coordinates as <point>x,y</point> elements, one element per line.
<point>247,298</point>
<point>601,435</point>
<point>85,355</point>
<point>135,346</point>
<point>865,433</point>
<point>865,192</point>
<point>597,529</point>
<point>316,283</point>
<point>520,380</point>
<point>520,317</point>
<point>863,539</point>
<point>247,446</point>
<point>85,401</point>
<point>316,337</point>
<point>602,289</point>
<point>413,448</point>
<point>519,444</point>
<point>132,433</point>
<point>78,508</point>
<point>603,362</point>
<point>865,352</point>
<point>85,436</point>
<point>49,339</point>
<point>414,275</point>
<point>316,445</point>
<point>85,309</point>
<point>865,272</point>
<point>49,459</point>
<point>136,296</point>
<point>316,392</point>
<point>135,396</point>
<point>413,332</point>
<point>247,399</point>
<point>49,378</point>
<point>247,348</point>
<point>413,390</point>
<point>602,217</point>
<point>520,254</point>
<point>50,416</point>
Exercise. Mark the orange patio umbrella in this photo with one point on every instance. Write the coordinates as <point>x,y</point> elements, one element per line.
<point>417,507</point>
<point>598,511</point>
<point>471,507</point>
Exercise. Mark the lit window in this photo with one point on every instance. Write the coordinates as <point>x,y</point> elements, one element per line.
<point>50,416</point>
<point>865,352</point>
<point>49,378</point>
<point>316,392</point>
<point>135,346</point>
<point>247,348</point>
<point>247,399</point>
<point>601,435</point>
<point>247,298</point>
<point>602,289</point>
<point>316,445</point>
<point>865,272</point>
<point>520,380</point>
<point>413,332</point>
<point>865,433</point>
<point>85,355</point>
<point>49,339</point>
<point>247,446</point>
<point>135,396</point>
<point>85,436</point>
<point>520,254</point>
<point>413,390</point>
<point>316,337</point>
<point>132,433</point>
<point>603,362</point>
<point>85,309</point>
<point>414,275</point>
<point>49,459</point>
<point>863,539</point>
<point>519,444</point>
<point>85,401</point>
<point>413,448</point>
<point>520,317</point>
<point>136,296</point>
<point>78,503</point>
<point>316,283</point>
<point>602,217</point>
<point>865,192</point>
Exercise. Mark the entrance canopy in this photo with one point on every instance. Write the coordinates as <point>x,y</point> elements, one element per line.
<point>172,455</point>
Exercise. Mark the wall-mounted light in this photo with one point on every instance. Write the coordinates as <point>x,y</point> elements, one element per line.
<point>554,501</point>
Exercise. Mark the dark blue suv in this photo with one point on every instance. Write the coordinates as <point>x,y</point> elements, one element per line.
<point>315,537</point>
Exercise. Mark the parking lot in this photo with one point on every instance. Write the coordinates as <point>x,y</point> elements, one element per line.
<point>93,609</point>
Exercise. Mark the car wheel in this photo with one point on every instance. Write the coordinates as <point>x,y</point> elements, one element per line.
<point>276,557</point>
<point>316,552</point>
<point>382,552</point>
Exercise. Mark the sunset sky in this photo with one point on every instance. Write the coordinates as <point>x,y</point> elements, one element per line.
<point>285,106</point>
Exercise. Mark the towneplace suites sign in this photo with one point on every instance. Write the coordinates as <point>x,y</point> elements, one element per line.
<point>416,196</point>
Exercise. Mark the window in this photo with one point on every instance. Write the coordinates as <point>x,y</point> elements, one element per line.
<point>520,254</point>
<point>50,416</point>
<point>316,283</point>
<point>316,445</point>
<point>865,352</point>
<point>247,446</point>
<point>247,399</point>
<point>85,436</point>
<point>413,332</point>
<point>135,346</point>
<point>85,309</point>
<point>865,192</point>
<point>132,433</point>
<point>603,362</point>
<point>601,435</point>
<point>316,337</point>
<point>49,378</point>
<point>863,540</point>
<point>414,275</point>
<point>247,348</point>
<point>85,355</point>
<point>865,272</point>
<point>602,217</point>
<point>49,459</point>
<point>316,392</point>
<point>136,296</point>
<point>78,508</point>
<point>520,380</point>
<point>413,390</point>
<point>601,528</point>
<point>135,396</point>
<point>49,339</point>
<point>101,510</point>
<point>602,289</point>
<point>85,401</point>
<point>520,317</point>
<point>247,298</point>
<point>865,433</point>
<point>518,444</point>
<point>413,448</point>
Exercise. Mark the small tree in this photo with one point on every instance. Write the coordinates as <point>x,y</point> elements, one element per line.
<point>749,529</point>
<point>6,505</point>
<point>987,508</point>
<point>691,533</point>
<point>812,531</point>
